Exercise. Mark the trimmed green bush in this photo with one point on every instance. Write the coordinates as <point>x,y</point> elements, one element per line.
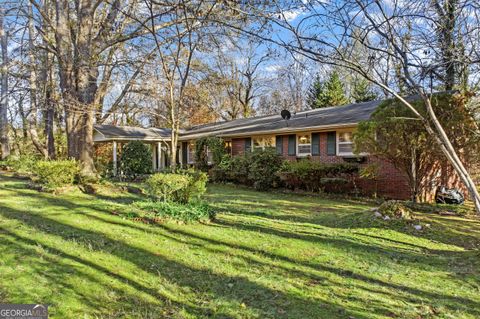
<point>197,184</point>
<point>166,187</point>
<point>179,187</point>
<point>258,169</point>
<point>315,176</point>
<point>263,168</point>
<point>189,212</point>
<point>56,174</point>
<point>135,160</point>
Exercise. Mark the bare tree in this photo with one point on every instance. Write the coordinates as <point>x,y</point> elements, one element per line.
<point>323,30</point>
<point>4,142</point>
<point>85,35</point>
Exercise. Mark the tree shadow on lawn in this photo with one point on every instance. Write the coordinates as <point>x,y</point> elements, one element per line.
<point>405,293</point>
<point>67,232</point>
<point>59,267</point>
<point>261,302</point>
<point>261,299</point>
<point>458,231</point>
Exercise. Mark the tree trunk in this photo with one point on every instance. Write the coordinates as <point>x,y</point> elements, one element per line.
<point>451,154</point>
<point>4,143</point>
<point>32,118</point>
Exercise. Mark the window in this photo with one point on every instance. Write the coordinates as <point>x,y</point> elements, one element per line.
<point>209,156</point>
<point>263,142</point>
<point>304,144</point>
<point>345,143</point>
<point>191,153</point>
<point>228,147</point>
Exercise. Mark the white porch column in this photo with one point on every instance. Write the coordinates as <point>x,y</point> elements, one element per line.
<point>114,158</point>
<point>154,158</point>
<point>159,156</point>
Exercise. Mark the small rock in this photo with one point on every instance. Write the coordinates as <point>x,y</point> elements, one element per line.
<point>386,218</point>
<point>417,227</point>
<point>428,225</point>
<point>377,214</point>
<point>230,285</point>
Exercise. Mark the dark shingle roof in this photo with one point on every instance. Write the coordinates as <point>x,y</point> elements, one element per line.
<point>130,132</point>
<point>330,116</point>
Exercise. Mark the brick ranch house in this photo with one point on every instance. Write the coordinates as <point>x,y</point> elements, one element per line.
<point>323,135</point>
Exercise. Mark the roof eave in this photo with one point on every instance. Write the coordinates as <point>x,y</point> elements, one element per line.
<point>276,131</point>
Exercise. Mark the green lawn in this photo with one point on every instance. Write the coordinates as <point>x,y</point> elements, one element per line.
<point>266,256</point>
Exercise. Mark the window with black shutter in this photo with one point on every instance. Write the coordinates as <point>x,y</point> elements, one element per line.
<point>279,144</point>
<point>331,143</point>
<point>315,143</point>
<point>292,148</point>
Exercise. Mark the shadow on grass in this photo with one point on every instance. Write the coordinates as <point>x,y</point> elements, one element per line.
<point>58,267</point>
<point>337,214</point>
<point>262,299</point>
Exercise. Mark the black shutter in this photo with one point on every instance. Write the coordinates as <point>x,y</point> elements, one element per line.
<point>248,144</point>
<point>292,146</point>
<point>279,144</point>
<point>331,143</point>
<point>315,143</point>
<point>185,153</point>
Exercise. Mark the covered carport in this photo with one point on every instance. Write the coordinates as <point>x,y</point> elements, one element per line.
<point>157,138</point>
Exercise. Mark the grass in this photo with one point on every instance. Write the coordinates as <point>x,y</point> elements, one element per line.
<point>265,256</point>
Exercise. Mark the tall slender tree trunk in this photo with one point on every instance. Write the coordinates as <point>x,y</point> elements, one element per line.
<point>32,118</point>
<point>4,142</point>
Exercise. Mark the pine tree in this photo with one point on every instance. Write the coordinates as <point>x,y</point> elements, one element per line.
<point>334,93</point>
<point>362,91</point>
<point>326,93</point>
<point>314,93</point>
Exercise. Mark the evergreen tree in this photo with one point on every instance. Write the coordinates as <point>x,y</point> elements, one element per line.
<point>362,91</point>
<point>315,93</point>
<point>327,93</point>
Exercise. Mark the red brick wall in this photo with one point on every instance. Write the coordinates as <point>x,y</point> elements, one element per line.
<point>391,183</point>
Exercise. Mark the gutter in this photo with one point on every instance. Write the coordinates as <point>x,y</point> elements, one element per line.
<point>264,132</point>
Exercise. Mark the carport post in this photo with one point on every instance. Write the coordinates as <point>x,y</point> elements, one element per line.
<point>159,156</point>
<point>154,157</point>
<point>114,158</point>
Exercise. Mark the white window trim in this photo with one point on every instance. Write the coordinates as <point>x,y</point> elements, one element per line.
<point>298,144</point>
<point>263,147</point>
<point>208,157</point>
<point>338,144</point>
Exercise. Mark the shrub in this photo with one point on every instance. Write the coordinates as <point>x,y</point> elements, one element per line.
<point>263,168</point>
<point>194,211</point>
<point>215,145</point>
<point>166,186</point>
<point>55,174</point>
<point>197,184</point>
<point>395,209</point>
<point>238,169</point>
<point>258,169</point>
<point>135,160</point>
<point>335,185</point>
<point>103,159</point>
<point>178,187</point>
<point>315,176</point>
<point>24,164</point>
